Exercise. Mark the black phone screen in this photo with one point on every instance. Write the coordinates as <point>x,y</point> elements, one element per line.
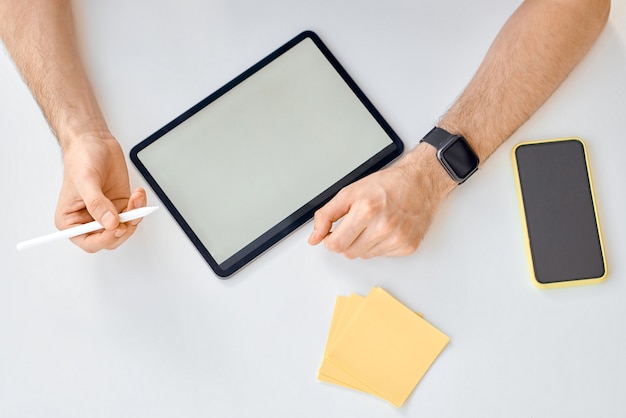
<point>559,211</point>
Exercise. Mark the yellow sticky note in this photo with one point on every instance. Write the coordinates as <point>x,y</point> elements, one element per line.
<point>329,372</point>
<point>351,307</point>
<point>385,346</point>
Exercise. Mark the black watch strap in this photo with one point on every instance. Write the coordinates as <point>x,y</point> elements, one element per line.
<point>437,137</point>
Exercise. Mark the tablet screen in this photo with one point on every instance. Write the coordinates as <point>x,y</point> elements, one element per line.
<point>253,161</point>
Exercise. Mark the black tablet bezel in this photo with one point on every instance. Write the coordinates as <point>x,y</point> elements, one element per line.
<point>303,214</point>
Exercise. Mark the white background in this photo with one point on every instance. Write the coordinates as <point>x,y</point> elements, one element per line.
<point>149,330</point>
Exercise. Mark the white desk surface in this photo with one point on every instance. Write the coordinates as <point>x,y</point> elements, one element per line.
<point>149,331</point>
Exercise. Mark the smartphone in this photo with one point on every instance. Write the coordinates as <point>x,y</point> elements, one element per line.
<point>559,215</point>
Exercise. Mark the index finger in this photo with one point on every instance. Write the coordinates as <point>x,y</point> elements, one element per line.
<point>327,215</point>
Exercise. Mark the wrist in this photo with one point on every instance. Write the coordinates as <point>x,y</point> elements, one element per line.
<point>77,133</point>
<point>422,162</point>
<point>78,117</point>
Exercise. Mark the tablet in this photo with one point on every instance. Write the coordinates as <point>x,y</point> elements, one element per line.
<point>253,161</point>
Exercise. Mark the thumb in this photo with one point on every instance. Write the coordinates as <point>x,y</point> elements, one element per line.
<point>100,207</point>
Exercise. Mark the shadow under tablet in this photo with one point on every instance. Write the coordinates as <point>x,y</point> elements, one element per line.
<point>253,161</point>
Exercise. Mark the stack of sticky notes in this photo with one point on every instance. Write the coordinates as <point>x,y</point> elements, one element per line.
<point>379,346</point>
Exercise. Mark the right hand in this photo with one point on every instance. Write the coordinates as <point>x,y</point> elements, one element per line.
<point>386,213</point>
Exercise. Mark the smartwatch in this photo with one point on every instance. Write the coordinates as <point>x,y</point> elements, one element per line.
<point>454,153</point>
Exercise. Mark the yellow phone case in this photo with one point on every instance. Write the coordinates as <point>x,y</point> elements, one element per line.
<point>560,284</point>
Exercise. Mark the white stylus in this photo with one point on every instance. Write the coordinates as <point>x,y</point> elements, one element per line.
<point>84,228</point>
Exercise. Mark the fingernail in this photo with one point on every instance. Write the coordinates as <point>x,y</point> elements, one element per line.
<point>119,233</point>
<point>107,219</point>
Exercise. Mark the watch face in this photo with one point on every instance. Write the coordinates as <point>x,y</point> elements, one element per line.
<point>459,158</point>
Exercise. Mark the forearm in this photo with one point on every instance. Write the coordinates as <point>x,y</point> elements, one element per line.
<point>533,53</point>
<point>39,35</point>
